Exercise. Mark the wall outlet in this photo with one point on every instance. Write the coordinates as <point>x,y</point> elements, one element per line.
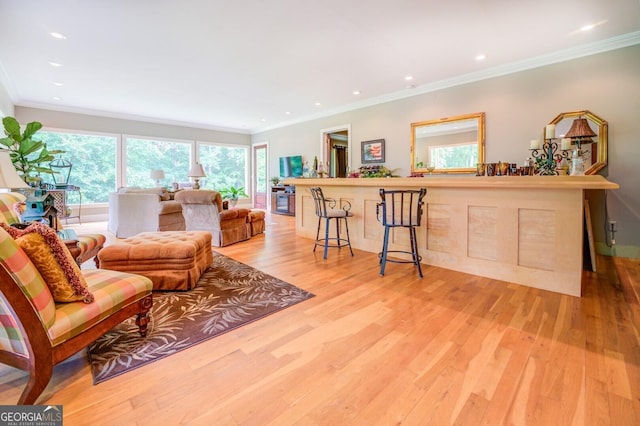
<point>613,226</point>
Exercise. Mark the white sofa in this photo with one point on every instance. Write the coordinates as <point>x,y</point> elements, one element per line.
<point>135,210</point>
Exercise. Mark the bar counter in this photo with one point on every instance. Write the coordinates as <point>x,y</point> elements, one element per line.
<point>520,229</point>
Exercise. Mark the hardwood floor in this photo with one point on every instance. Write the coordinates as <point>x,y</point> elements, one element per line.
<point>450,348</point>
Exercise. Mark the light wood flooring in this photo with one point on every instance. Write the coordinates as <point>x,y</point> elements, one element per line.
<point>450,348</point>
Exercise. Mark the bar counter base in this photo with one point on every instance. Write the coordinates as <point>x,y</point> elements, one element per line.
<point>519,229</point>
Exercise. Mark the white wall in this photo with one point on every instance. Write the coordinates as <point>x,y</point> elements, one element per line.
<point>6,106</point>
<point>517,107</point>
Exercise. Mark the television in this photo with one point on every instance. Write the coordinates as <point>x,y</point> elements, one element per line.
<point>291,166</point>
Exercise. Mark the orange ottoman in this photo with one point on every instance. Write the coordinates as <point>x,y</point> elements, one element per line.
<point>173,260</point>
<point>255,222</point>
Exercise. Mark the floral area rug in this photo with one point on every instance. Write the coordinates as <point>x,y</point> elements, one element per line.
<point>229,295</point>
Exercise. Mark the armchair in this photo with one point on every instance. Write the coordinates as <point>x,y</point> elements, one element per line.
<point>37,333</point>
<point>88,245</point>
<point>202,211</point>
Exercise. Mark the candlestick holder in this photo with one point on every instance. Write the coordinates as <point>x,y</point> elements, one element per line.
<point>549,155</point>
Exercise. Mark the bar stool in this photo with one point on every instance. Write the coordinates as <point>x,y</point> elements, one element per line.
<point>326,209</point>
<point>400,208</point>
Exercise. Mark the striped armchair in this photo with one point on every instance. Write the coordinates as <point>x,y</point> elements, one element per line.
<point>88,244</point>
<point>37,333</point>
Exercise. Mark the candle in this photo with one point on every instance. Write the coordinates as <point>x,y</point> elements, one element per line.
<point>565,144</point>
<point>535,144</point>
<point>550,131</point>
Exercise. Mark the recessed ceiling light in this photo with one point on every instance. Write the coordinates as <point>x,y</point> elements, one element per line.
<point>481,57</point>
<point>58,36</point>
<point>287,112</point>
<point>57,98</point>
<point>55,64</point>
<point>408,77</point>
<point>356,92</point>
<point>588,27</point>
<point>318,104</point>
<point>55,83</point>
<point>264,120</point>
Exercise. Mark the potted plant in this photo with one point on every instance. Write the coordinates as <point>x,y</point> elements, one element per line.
<point>232,194</point>
<point>275,180</point>
<point>27,154</point>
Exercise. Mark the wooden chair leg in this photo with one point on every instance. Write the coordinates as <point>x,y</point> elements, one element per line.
<point>40,371</point>
<point>143,315</point>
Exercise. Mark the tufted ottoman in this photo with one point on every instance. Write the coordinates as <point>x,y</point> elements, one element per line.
<point>255,222</point>
<point>173,260</point>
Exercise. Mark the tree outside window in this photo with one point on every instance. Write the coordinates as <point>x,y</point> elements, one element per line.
<point>224,166</point>
<point>144,155</point>
<point>94,163</point>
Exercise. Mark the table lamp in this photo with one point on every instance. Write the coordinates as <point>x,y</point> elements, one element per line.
<point>196,173</point>
<point>157,175</point>
<point>9,178</point>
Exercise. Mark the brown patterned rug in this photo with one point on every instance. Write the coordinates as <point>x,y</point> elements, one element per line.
<point>229,295</point>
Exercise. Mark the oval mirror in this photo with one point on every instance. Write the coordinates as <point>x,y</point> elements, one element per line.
<point>448,145</point>
<point>594,149</point>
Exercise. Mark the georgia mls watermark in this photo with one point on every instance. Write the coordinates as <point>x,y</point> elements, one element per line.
<point>30,415</point>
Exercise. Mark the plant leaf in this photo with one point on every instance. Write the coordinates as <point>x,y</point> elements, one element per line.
<point>31,128</point>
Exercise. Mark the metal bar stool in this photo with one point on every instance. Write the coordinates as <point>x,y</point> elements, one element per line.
<point>400,208</point>
<point>326,209</point>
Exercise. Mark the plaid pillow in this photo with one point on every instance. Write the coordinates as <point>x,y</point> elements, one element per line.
<point>53,260</point>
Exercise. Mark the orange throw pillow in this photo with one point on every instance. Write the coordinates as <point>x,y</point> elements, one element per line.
<point>53,260</point>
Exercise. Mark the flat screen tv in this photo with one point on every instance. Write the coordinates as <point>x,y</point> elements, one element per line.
<point>291,166</point>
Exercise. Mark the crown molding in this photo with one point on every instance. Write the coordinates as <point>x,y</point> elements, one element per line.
<point>564,55</point>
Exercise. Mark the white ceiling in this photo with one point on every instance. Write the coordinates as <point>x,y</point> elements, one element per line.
<point>242,65</point>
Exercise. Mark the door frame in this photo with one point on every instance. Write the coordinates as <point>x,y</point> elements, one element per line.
<point>324,150</point>
<point>254,172</point>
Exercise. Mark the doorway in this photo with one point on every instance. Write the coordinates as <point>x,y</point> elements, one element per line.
<point>260,175</point>
<point>335,146</point>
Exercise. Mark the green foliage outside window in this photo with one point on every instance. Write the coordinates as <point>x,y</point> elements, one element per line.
<point>144,155</point>
<point>225,166</point>
<point>94,163</point>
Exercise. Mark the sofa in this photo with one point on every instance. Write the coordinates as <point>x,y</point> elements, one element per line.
<point>202,211</point>
<point>135,210</point>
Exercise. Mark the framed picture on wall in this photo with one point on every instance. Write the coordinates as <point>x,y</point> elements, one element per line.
<point>372,151</point>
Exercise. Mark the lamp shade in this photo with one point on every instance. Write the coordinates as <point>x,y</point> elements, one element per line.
<point>197,171</point>
<point>580,129</point>
<point>156,174</point>
<point>9,177</point>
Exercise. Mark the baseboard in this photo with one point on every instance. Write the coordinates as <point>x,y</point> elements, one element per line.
<point>631,252</point>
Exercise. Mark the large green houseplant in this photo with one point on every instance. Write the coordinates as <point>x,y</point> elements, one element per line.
<point>30,157</point>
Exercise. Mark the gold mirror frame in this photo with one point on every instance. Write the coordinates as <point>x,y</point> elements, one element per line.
<point>443,132</point>
<point>598,152</point>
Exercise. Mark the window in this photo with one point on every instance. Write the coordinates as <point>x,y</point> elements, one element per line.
<point>144,155</point>
<point>224,165</point>
<point>93,159</point>
<point>103,162</point>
